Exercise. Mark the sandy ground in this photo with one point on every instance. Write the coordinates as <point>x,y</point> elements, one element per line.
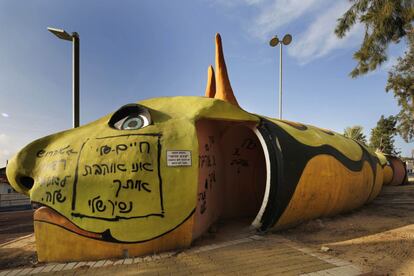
<point>21,252</point>
<point>378,237</point>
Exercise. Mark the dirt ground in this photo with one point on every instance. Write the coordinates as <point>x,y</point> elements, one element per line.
<point>20,253</point>
<point>378,237</point>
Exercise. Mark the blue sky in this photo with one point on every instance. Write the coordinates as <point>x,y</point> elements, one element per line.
<point>133,50</point>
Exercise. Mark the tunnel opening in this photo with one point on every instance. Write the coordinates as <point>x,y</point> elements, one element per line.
<point>232,173</point>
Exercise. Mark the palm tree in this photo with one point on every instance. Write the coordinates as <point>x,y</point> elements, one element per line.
<point>356,133</point>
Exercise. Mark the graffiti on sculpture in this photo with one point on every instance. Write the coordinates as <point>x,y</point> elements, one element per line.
<point>207,164</point>
<point>128,189</point>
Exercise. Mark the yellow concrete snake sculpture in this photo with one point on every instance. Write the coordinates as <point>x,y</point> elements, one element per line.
<point>153,176</point>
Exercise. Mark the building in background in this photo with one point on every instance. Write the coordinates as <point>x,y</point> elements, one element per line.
<point>410,167</point>
<point>5,188</point>
<point>9,199</point>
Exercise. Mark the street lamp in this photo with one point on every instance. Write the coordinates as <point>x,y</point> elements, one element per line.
<point>74,37</point>
<point>273,43</point>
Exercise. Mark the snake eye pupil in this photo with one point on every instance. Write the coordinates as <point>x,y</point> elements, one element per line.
<point>132,124</point>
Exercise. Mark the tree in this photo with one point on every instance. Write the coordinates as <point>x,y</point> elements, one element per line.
<point>356,133</point>
<point>401,81</point>
<point>385,22</point>
<point>382,136</point>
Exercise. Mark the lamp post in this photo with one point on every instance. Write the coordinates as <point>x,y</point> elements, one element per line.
<point>273,43</point>
<point>74,37</point>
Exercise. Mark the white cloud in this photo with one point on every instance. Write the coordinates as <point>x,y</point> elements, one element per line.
<point>319,39</point>
<point>5,115</point>
<point>278,13</point>
<point>316,19</point>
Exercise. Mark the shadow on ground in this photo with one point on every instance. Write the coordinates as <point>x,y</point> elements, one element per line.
<point>17,257</point>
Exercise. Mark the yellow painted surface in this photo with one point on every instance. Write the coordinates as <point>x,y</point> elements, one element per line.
<point>316,137</point>
<point>58,244</point>
<point>388,174</point>
<point>326,188</point>
<point>193,108</point>
<point>133,204</point>
<point>381,157</point>
<point>143,202</point>
<point>379,182</point>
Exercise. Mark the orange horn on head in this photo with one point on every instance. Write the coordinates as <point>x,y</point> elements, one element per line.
<point>211,83</point>
<point>223,86</point>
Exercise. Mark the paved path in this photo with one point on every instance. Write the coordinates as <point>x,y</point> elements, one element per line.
<point>254,255</point>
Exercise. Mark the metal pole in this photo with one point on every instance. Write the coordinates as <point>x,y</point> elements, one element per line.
<point>75,84</point>
<point>280,83</point>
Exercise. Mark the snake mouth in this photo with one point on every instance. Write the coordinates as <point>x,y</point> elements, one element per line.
<point>45,214</point>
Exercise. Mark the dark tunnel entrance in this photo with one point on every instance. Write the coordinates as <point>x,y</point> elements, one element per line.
<point>232,173</point>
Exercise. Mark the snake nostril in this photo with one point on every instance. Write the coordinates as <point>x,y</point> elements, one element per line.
<point>26,181</point>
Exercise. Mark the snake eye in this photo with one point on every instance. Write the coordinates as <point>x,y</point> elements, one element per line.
<point>132,122</point>
<point>130,117</point>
